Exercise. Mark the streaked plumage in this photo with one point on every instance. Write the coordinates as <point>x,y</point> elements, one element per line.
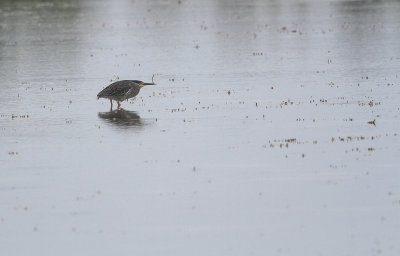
<point>122,90</point>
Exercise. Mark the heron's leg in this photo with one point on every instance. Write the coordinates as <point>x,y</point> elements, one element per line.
<point>119,104</point>
<point>111,104</point>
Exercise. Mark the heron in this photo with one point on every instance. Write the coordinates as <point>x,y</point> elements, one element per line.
<point>122,90</point>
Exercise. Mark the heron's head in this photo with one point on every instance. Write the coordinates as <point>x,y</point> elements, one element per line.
<point>141,83</point>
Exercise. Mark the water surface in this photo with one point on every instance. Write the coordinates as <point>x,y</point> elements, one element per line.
<point>255,140</point>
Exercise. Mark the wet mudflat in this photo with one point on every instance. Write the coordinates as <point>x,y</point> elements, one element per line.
<point>273,128</point>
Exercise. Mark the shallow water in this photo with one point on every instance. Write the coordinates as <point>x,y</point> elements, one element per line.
<point>255,140</point>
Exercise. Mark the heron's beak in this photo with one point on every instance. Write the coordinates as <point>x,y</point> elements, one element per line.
<point>148,84</point>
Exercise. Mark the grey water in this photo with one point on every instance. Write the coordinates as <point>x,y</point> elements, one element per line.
<point>273,128</point>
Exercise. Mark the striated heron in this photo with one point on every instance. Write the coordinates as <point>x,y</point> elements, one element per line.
<point>122,90</point>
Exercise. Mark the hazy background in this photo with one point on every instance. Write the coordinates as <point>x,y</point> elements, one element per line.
<point>255,140</point>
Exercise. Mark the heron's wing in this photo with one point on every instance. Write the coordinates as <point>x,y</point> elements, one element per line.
<point>116,89</point>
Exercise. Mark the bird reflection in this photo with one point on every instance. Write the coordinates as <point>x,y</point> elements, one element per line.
<point>122,118</point>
